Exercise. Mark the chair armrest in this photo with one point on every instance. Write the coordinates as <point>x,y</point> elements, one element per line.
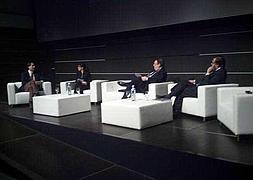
<point>160,89</point>
<point>11,91</point>
<point>243,104</point>
<point>207,94</point>
<point>170,86</point>
<point>63,86</point>
<point>95,90</point>
<point>226,94</point>
<point>111,86</point>
<point>47,88</point>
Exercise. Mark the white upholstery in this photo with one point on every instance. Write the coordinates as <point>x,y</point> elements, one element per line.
<point>15,97</point>
<point>205,104</point>
<point>235,109</point>
<point>95,91</point>
<point>61,104</point>
<point>110,90</point>
<point>137,114</point>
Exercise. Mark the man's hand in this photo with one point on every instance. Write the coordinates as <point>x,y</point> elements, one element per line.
<point>192,81</point>
<point>84,82</point>
<point>210,70</point>
<point>144,78</point>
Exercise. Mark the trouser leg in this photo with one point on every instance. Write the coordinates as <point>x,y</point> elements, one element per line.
<point>189,91</point>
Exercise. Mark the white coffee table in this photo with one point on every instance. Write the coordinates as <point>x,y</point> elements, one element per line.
<point>137,114</point>
<point>61,104</point>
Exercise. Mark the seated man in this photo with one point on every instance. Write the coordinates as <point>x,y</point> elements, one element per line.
<point>216,74</point>
<point>30,81</point>
<point>83,78</point>
<point>141,82</point>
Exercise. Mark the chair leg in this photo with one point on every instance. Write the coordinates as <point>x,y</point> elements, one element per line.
<point>237,138</point>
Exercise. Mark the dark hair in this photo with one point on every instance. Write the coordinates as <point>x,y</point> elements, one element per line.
<point>84,67</point>
<point>29,63</point>
<point>160,61</point>
<point>220,60</point>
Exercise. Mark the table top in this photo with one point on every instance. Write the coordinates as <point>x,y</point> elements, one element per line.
<point>60,96</point>
<point>137,103</point>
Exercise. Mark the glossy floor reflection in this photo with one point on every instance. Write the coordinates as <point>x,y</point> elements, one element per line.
<point>187,134</point>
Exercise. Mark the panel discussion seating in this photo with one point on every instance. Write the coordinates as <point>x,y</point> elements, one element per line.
<point>110,90</point>
<point>15,97</point>
<point>205,104</point>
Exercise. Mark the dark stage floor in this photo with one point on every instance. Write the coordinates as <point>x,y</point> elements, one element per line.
<point>80,147</point>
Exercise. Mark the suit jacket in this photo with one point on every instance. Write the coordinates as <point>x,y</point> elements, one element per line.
<point>25,78</point>
<point>160,76</point>
<point>142,86</point>
<point>217,77</point>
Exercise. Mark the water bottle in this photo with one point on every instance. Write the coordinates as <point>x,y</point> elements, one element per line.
<point>133,93</point>
<point>69,88</point>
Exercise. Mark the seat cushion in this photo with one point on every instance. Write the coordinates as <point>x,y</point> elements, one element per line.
<point>191,106</point>
<point>22,98</point>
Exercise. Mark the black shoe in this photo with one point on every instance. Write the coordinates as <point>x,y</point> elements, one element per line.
<point>168,96</point>
<point>121,90</point>
<point>126,95</point>
<point>122,83</point>
<point>159,97</point>
<point>176,115</point>
<point>31,105</point>
<point>75,92</point>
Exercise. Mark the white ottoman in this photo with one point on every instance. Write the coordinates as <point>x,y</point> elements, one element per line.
<point>61,104</point>
<point>136,114</point>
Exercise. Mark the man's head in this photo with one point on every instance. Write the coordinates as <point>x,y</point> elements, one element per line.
<point>217,62</point>
<point>31,66</point>
<point>158,64</point>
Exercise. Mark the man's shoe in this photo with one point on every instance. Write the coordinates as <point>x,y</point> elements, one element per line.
<point>126,95</point>
<point>122,83</point>
<point>121,90</point>
<point>168,96</point>
<point>75,92</point>
<point>31,105</point>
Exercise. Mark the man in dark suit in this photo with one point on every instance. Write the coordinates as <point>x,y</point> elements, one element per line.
<point>216,74</point>
<point>141,82</point>
<point>30,80</point>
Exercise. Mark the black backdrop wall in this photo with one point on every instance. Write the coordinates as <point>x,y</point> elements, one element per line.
<point>118,38</point>
<point>64,19</point>
<point>187,49</point>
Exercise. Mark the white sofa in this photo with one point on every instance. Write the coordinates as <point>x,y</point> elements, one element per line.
<point>94,91</point>
<point>205,104</point>
<point>15,97</point>
<point>110,90</point>
<point>235,109</point>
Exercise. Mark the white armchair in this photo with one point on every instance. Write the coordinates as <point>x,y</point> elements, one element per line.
<point>205,104</point>
<point>235,109</point>
<point>15,97</point>
<point>110,90</point>
<point>94,91</point>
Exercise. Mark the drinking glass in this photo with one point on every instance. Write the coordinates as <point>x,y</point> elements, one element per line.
<point>146,95</point>
<point>78,90</point>
<point>57,90</point>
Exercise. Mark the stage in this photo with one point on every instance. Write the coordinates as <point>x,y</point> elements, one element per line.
<point>79,146</point>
